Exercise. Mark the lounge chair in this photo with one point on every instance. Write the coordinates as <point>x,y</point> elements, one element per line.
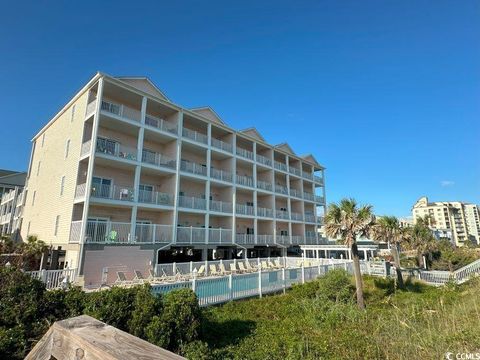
<point>122,279</point>
<point>213,270</point>
<point>264,265</point>
<point>249,266</point>
<point>277,264</point>
<point>271,265</point>
<point>155,279</point>
<point>138,277</point>
<point>223,271</point>
<point>241,266</point>
<point>233,268</point>
<point>201,271</point>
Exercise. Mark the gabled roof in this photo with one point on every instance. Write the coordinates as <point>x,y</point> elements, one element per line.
<point>253,133</point>
<point>144,84</point>
<point>209,113</point>
<point>311,158</point>
<point>285,147</point>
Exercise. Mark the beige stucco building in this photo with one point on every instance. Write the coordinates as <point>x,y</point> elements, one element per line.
<point>459,220</point>
<point>123,178</point>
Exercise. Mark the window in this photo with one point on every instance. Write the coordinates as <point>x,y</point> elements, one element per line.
<point>38,168</point>
<point>67,148</point>
<point>33,197</point>
<point>57,221</point>
<point>62,185</point>
<point>73,113</point>
<point>43,139</point>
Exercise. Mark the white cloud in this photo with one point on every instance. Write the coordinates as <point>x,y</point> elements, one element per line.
<point>446,183</point>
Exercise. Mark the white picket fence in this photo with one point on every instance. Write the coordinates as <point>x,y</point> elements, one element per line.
<point>442,277</point>
<point>54,279</point>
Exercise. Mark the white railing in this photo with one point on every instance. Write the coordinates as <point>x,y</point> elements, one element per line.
<point>464,273</point>
<point>121,110</point>
<point>221,175</point>
<point>192,202</point>
<point>194,135</point>
<point>91,108</point>
<point>442,277</point>
<point>264,160</point>
<point>320,220</point>
<point>264,185</point>
<point>114,148</point>
<point>307,175</point>
<point>54,279</point>
<point>296,193</point>
<point>157,159</point>
<point>297,239</point>
<point>265,239</point>
<point>280,189</point>
<point>296,216</point>
<point>80,191</point>
<point>282,239</point>
<point>308,196</point>
<point>295,171</point>
<point>245,180</point>
<point>221,206</point>
<point>281,214</point>
<point>318,179</point>
<point>113,192</point>
<point>153,233</point>
<point>220,236</point>
<point>155,197</point>
<point>319,199</point>
<point>75,231</point>
<point>85,149</point>
<point>264,212</point>
<point>244,238</point>
<point>190,235</point>
<point>245,153</point>
<point>161,124</point>
<point>193,168</point>
<point>311,240</point>
<point>108,232</point>
<point>280,166</point>
<point>310,218</point>
<point>243,209</point>
<point>222,145</point>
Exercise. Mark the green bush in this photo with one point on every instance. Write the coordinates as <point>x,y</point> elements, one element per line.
<point>146,307</point>
<point>336,286</point>
<point>196,350</point>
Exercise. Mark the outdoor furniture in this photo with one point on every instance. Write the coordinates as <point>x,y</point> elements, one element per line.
<point>277,263</point>
<point>264,265</point>
<point>139,277</point>
<point>241,266</point>
<point>271,265</point>
<point>223,271</point>
<point>249,266</point>
<point>213,270</point>
<point>233,268</point>
<point>122,279</point>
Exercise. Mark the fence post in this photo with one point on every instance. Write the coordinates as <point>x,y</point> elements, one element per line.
<point>345,265</point>
<point>206,267</point>
<point>194,280</point>
<point>284,284</point>
<point>191,266</point>
<point>43,276</point>
<point>174,268</point>
<point>303,273</point>
<point>230,286</point>
<point>260,281</point>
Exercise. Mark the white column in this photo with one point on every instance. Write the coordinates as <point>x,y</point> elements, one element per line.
<point>207,184</point>
<point>177,177</point>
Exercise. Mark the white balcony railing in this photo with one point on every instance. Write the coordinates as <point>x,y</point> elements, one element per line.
<point>80,191</point>
<point>264,212</point>
<point>193,168</point>
<point>310,240</point>
<point>245,180</point>
<point>114,148</point>
<point>264,160</point>
<point>319,199</point>
<point>296,216</point>
<point>157,159</point>
<point>161,124</point>
<point>194,135</point>
<point>280,189</point>
<point>244,209</point>
<point>220,236</point>
<point>295,171</point>
<point>282,239</point>
<point>307,175</point>
<point>308,196</point>
<point>121,110</point>
<point>192,202</point>
<point>113,192</point>
<point>318,179</point>
<point>91,108</point>
<point>153,233</point>
<point>296,193</point>
<point>191,235</point>
<point>244,153</point>
<point>280,214</point>
<point>245,238</point>
<point>265,239</point>
<point>85,149</point>
<point>264,185</point>
<point>280,166</point>
<point>297,240</point>
<point>75,231</point>
<point>221,175</point>
<point>221,206</point>
<point>155,197</point>
<point>101,231</point>
<point>310,218</point>
<point>222,145</point>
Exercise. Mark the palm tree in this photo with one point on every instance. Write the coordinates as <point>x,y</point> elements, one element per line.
<point>388,229</point>
<point>32,250</point>
<point>347,221</point>
<point>421,239</point>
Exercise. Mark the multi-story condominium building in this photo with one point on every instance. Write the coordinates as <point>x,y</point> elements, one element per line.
<point>11,206</point>
<point>123,177</point>
<point>457,220</point>
<point>10,179</point>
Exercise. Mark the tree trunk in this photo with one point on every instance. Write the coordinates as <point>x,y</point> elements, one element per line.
<point>358,276</point>
<point>396,259</point>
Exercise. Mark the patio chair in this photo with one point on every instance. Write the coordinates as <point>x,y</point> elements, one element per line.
<point>138,277</point>
<point>241,266</point>
<point>201,271</point>
<point>277,263</point>
<point>264,265</point>
<point>271,265</point>
<point>213,270</point>
<point>122,279</point>
<point>249,266</point>
<point>223,271</point>
<point>233,268</point>
<point>155,279</point>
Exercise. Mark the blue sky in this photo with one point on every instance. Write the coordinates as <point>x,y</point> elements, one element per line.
<point>385,94</point>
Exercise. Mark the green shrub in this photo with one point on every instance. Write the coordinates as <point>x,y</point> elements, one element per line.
<point>305,291</point>
<point>146,307</point>
<point>196,350</point>
<point>336,286</point>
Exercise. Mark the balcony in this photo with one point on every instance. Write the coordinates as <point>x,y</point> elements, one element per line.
<point>222,145</point>
<point>310,240</point>
<point>108,232</point>
<point>90,108</point>
<point>308,196</point>
<point>280,189</point>
<point>112,192</point>
<point>297,240</point>
<point>265,239</point>
<point>114,148</point>
<point>195,136</point>
<point>320,220</point>
<point>191,202</point>
<point>245,238</point>
<point>281,214</point>
<point>191,235</point>
<point>161,124</point>
<point>295,171</point>
<point>318,180</point>
<point>264,212</point>
<point>296,216</point>
<point>222,175</point>
<point>280,166</point>
<point>157,159</point>
<point>245,180</point>
<point>243,209</point>
<point>308,176</point>
<point>153,233</point>
<point>247,154</point>
<point>193,168</point>
<point>220,236</point>
<point>75,230</point>
<point>80,191</point>
<point>264,160</point>
<point>85,149</point>
<point>264,185</point>
<point>319,199</point>
<point>221,206</point>
<point>282,239</point>
<point>310,218</point>
<point>155,197</point>
<point>121,110</point>
<point>296,193</point>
